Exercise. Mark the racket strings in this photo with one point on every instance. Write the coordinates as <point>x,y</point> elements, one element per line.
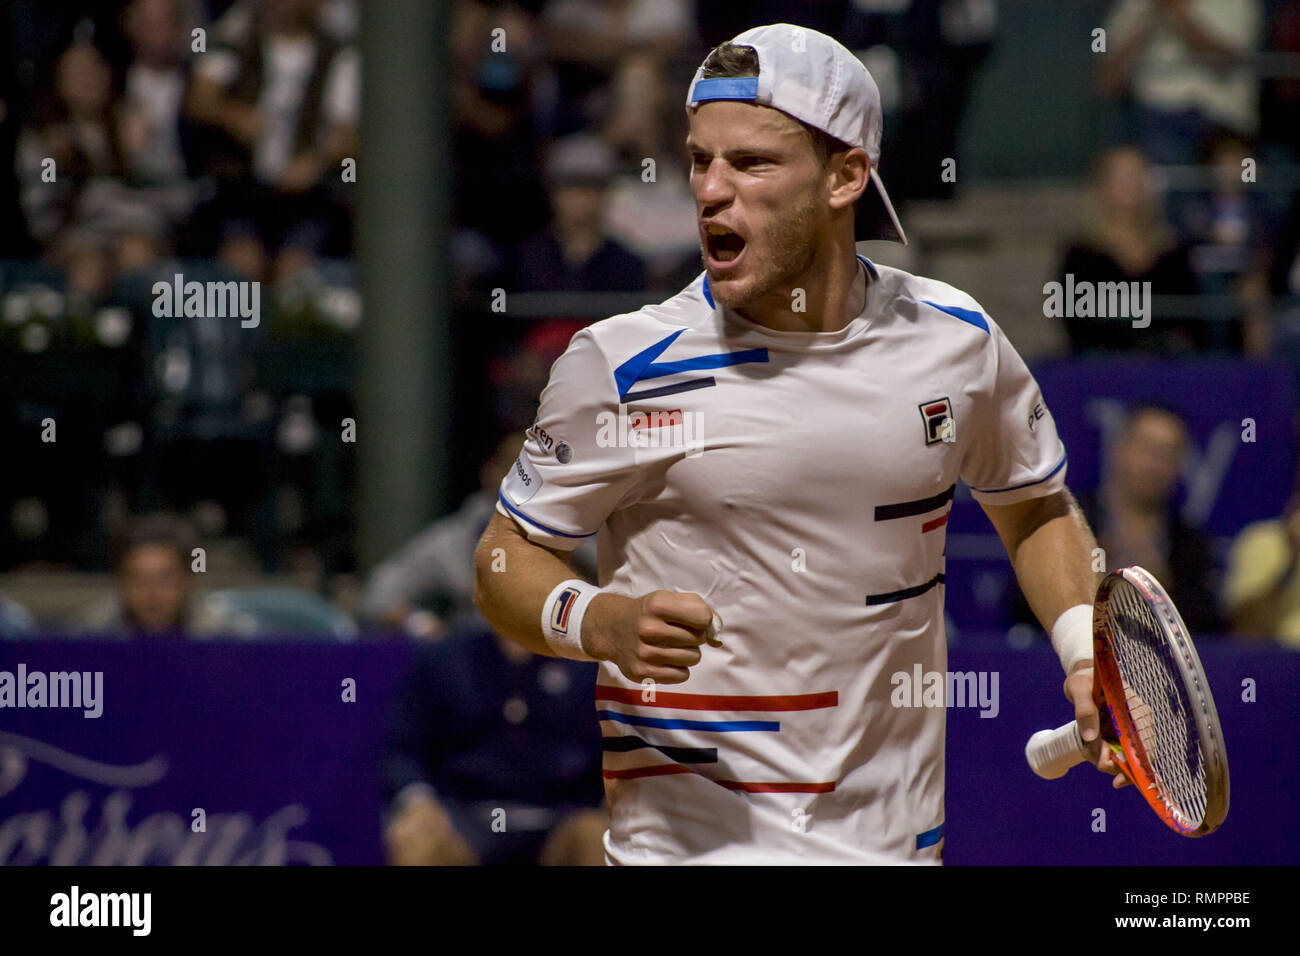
<point>1158,707</point>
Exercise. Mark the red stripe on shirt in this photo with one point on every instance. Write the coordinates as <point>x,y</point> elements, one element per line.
<point>933,523</point>
<point>765,702</point>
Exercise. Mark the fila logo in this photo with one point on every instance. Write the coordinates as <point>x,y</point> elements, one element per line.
<point>939,422</point>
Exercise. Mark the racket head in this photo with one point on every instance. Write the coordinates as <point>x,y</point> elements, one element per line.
<point>1170,745</point>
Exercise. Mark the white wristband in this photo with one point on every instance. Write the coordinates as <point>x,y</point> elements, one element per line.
<point>562,618</point>
<point>1072,636</point>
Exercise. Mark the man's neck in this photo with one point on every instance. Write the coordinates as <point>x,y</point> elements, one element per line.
<point>826,299</point>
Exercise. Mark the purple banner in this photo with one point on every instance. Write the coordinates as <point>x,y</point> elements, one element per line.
<point>265,742</point>
<point>1239,416</point>
<point>259,738</point>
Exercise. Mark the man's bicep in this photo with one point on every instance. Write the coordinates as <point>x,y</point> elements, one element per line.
<point>505,531</point>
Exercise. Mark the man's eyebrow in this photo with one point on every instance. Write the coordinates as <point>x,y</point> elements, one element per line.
<point>694,147</point>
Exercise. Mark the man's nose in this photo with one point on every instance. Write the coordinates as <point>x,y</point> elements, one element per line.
<point>712,185</point>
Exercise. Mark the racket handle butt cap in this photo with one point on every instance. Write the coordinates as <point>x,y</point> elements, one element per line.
<point>1052,752</point>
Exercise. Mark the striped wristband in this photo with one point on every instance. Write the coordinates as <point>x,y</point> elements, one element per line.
<point>562,618</point>
<point>1072,636</point>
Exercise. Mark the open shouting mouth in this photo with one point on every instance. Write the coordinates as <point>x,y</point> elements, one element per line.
<point>723,246</point>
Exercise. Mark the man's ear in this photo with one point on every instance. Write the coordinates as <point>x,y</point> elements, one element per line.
<point>850,178</point>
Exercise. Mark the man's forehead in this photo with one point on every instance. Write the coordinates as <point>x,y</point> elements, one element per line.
<point>735,120</point>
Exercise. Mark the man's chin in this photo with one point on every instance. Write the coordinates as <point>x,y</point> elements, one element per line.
<point>734,292</point>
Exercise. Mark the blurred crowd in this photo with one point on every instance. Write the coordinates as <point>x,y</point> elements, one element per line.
<point>157,128</point>
<point>1200,196</point>
<point>151,137</point>
<point>143,140</point>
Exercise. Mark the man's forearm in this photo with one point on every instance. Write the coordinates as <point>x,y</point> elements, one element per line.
<point>1054,559</point>
<point>1054,567</point>
<point>512,579</point>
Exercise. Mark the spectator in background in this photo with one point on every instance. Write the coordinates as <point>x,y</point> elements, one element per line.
<point>150,113</point>
<point>1225,215</point>
<point>1227,229</point>
<point>592,41</point>
<point>497,198</point>
<point>91,223</point>
<point>70,124</point>
<point>1188,66</point>
<point>651,209</point>
<point>1135,519</point>
<point>281,97</point>
<point>948,42</point>
<point>493,758</point>
<point>1261,592</point>
<point>428,585</point>
<point>127,210</point>
<point>575,253</point>
<point>1126,240</point>
<point>150,561</point>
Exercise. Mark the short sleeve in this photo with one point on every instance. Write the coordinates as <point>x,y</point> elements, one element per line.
<point>572,471</point>
<point>1013,453</point>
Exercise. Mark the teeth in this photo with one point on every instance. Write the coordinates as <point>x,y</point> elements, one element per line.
<point>715,230</point>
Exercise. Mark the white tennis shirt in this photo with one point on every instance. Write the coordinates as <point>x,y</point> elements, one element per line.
<point>800,483</point>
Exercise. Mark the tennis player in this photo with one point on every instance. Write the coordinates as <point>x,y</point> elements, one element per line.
<point>769,458</point>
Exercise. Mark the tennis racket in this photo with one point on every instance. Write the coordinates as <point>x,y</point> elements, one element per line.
<point>1157,715</point>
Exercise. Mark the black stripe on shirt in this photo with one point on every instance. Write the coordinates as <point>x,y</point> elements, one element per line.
<point>670,389</point>
<point>630,742</point>
<point>889,597</point>
<point>906,509</point>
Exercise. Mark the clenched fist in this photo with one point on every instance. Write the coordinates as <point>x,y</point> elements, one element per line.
<point>654,637</point>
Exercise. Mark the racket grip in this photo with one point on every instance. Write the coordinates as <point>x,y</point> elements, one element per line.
<point>1052,752</point>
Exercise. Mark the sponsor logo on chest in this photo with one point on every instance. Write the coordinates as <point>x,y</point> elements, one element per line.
<point>940,425</point>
